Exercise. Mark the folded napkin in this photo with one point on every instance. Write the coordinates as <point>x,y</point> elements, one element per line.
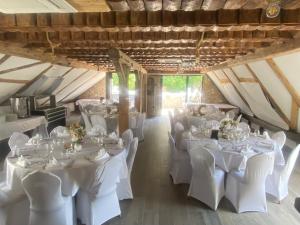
<point>22,162</point>
<point>110,140</point>
<point>53,163</point>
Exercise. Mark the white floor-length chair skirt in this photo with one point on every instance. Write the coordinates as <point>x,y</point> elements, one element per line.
<point>207,183</point>
<point>47,204</point>
<point>14,210</point>
<point>246,189</point>
<point>277,184</point>
<point>99,202</point>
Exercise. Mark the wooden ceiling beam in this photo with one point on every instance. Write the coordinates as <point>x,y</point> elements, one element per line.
<point>261,54</point>
<point>199,20</point>
<point>18,49</point>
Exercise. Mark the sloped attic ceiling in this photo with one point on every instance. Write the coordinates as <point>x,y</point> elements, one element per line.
<point>267,82</point>
<point>18,73</point>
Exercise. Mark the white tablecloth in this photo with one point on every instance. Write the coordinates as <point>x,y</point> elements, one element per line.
<point>233,156</point>
<point>74,169</point>
<point>21,125</point>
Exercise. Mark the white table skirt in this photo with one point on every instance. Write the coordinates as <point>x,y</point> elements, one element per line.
<point>21,125</point>
<point>228,159</point>
<point>73,175</point>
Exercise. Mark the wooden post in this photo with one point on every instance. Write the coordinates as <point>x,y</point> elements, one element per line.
<point>108,85</point>
<point>123,64</point>
<point>144,89</point>
<point>138,91</point>
<point>123,99</point>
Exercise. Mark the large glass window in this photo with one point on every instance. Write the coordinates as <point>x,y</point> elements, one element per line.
<point>180,89</point>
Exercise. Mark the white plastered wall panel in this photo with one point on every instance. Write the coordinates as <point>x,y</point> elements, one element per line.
<point>220,75</point>
<point>25,74</point>
<point>256,99</point>
<point>290,66</point>
<point>230,93</point>
<point>74,85</point>
<point>15,61</point>
<point>84,87</point>
<point>68,78</point>
<point>7,90</point>
<point>242,72</point>
<point>261,106</point>
<point>54,73</point>
<point>273,85</point>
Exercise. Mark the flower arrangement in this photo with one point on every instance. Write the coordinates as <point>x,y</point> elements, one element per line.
<point>228,124</point>
<point>77,132</point>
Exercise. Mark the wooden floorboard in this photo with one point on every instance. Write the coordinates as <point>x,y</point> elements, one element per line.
<point>159,202</point>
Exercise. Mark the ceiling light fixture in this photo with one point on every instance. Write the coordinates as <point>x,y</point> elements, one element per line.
<point>273,8</point>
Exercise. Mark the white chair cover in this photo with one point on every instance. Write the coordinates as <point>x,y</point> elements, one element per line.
<point>98,120</point>
<point>12,205</point>
<point>213,124</point>
<point>59,131</point>
<point>47,205</point>
<point>99,202</point>
<point>124,190</point>
<point>139,130</point>
<point>196,121</point>
<point>277,183</point>
<point>17,140</point>
<point>179,129</point>
<point>231,114</point>
<point>246,189</point>
<point>86,121</point>
<point>279,138</point>
<point>207,183</point>
<point>244,127</point>
<point>171,118</point>
<point>180,167</point>
<point>127,137</point>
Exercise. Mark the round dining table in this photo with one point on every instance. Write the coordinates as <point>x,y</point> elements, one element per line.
<point>73,168</point>
<point>233,155</point>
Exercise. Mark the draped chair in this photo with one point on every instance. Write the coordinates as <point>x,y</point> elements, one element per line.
<point>99,201</point>
<point>246,189</point>
<point>139,130</point>
<point>207,183</point>
<point>180,167</point>
<point>124,190</point>
<point>127,138</point>
<point>280,138</point>
<point>277,183</point>
<point>47,204</point>
<point>59,130</point>
<point>99,121</point>
<point>86,120</point>
<point>17,140</point>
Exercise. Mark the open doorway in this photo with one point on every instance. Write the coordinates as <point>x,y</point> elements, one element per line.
<point>131,88</point>
<point>179,90</point>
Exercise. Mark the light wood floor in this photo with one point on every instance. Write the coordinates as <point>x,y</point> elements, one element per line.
<point>159,202</point>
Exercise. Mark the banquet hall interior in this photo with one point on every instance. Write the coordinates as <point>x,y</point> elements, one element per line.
<point>149,112</point>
